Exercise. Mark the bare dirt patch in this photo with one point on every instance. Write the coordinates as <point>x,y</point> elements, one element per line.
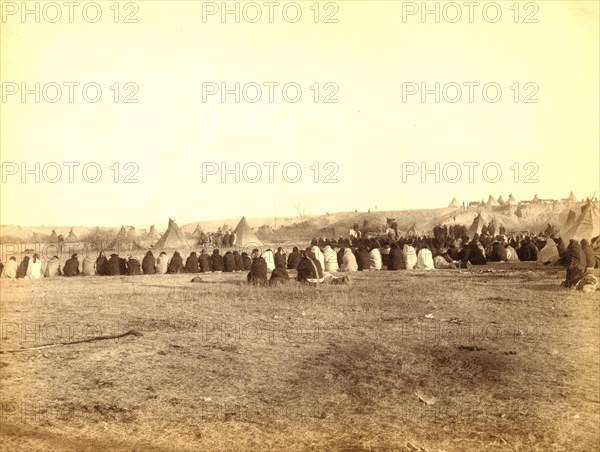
<point>504,359</point>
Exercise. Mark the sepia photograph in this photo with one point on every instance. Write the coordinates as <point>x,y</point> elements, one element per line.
<point>312,225</point>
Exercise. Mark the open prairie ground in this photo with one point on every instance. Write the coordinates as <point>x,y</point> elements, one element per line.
<point>492,358</point>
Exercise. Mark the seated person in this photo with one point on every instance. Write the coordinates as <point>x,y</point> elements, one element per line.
<point>258,270</point>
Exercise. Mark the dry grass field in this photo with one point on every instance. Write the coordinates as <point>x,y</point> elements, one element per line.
<point>501,357</point>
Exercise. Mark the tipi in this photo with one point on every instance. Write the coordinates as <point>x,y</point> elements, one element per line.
<point>572,197</point>
<point>71,238</point>
<point>454,203</point>
<point>98,239</point>
<point>491,202</point>
<point>511,200</point>
<point>53,237</point>
<point>571,217</point>
<point>131,233</point>
<point>197,232</point>
<point>124,241</point>
<point>586,226</point>
<point>412,231</point>
<point>476,226</point>
<point>245,236</point>
<point>536,199</point>
<point>172,238</point>
<point>96,235</point>
<point>501,200</point>
<point>152,234</point>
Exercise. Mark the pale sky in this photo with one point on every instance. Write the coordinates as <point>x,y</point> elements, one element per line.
<point>367,57</point>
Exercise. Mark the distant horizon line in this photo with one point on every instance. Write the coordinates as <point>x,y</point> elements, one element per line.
<point>286,217</point>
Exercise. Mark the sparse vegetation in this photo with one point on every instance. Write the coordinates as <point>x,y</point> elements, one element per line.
<point>511,359</point>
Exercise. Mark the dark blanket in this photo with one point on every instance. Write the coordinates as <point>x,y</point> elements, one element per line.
<point>527,252</point>
<point>279,276</point>
<point>362,259</point>
<point>149,264</point>
<point>191,263</point>
<point>239,262</point>
<point>340,256</point>
<point>474,255</point>
<point>280,260</point>
<point>309,268</point>
<point>293,259</point>
<point>258,272</point>
<point>228,262</point>
<point>205,263</point>
<point>114,267</point>
<point>385,259</point>
<point>71,267</point>
<point>133,267</point>
<point>396,259</point>
<point>574,255</point>
<point>575,261</point>
<point>216,261</point>
<point>102,266</point>
<point>176,264</point>
<point>498,253</point>
<point>247,261</point>
<point>123,265</point>
<point>22,268</point>
<point>590,258</point>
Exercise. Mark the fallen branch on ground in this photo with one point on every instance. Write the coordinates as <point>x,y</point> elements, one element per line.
<point>92,339</point>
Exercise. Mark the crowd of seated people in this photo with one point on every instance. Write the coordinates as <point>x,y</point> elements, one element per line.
<point>327,260</point>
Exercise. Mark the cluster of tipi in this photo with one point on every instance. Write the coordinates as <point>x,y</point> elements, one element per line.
<point>584,226</point>
<point>71,238</point>
<point>491,202</point>
<point>174,238</point>
<point>511,201</point>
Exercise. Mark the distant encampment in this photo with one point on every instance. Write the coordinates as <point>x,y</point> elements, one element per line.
<point>172,238</point>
